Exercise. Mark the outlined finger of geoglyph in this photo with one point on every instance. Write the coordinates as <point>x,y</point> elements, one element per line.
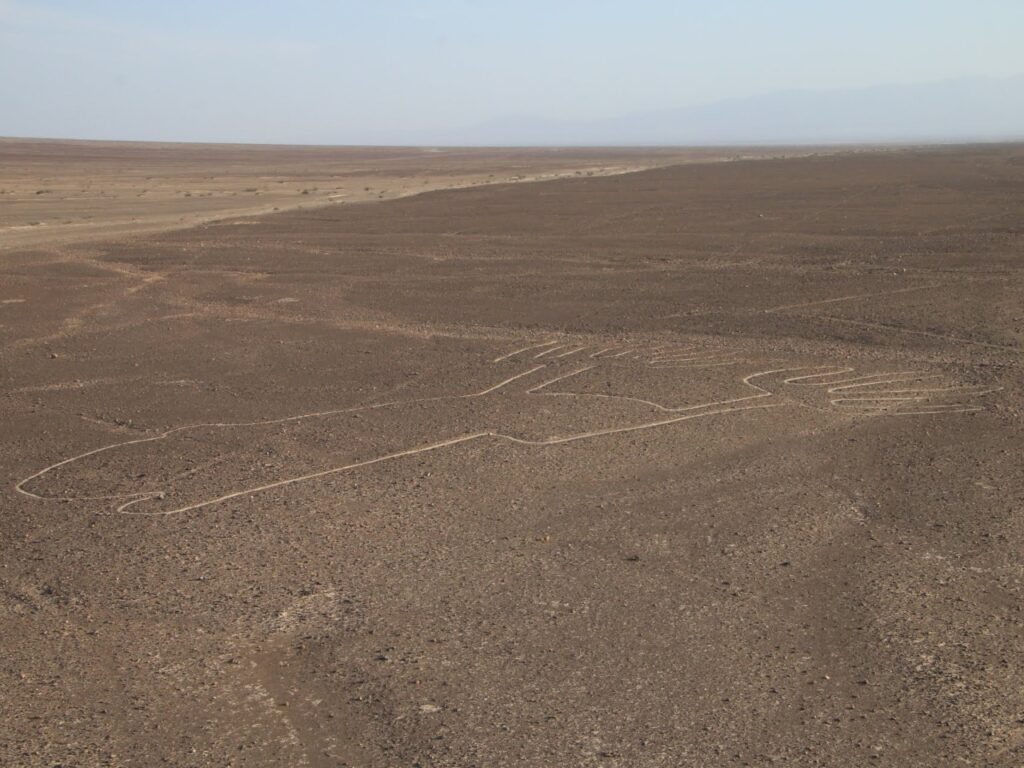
<point>660,355</point>
<point>894,393</point>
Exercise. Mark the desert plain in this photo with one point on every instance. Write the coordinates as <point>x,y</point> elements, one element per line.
<point>511,457</point>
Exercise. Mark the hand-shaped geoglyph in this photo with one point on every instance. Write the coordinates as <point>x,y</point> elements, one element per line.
<point>540,400</point>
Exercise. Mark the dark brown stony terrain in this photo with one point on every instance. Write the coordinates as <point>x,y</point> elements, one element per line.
<point>705,465</point>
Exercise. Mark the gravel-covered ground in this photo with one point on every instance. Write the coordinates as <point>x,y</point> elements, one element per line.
<point>706,465</point>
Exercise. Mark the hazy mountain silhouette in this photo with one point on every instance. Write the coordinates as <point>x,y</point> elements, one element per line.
<point>966,109</point>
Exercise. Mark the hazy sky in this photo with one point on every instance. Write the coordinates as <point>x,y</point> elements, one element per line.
<point>316,70</point>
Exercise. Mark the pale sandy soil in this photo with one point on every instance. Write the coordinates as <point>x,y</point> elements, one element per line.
<point>64,191</point>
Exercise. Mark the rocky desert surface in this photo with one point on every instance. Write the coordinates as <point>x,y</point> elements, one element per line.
<point>706,464</point>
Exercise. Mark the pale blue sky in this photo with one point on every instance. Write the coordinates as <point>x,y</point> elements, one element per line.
<point>315,70</point>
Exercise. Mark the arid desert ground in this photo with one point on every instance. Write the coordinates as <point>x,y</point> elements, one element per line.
<point>73,191</point>
<point>706,464</point>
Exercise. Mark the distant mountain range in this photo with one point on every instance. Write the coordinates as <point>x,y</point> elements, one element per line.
<point>966,109</point>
